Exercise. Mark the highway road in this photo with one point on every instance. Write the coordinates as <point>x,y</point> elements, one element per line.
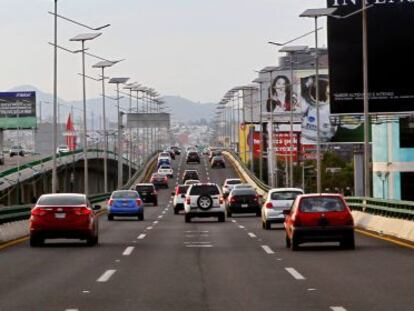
<point>163,263</point>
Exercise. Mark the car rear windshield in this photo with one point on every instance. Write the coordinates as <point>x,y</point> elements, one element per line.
<point>62,200</point>
<point>285,195</point>
<point>233,182</point>
<point>144,188</point>
<point>182,189</point>
<point>204,190</point>
<point>317,205</point>
<point>124,195</point>
<point>243,192</point>
<point>193,175</point>
<point>165,167</point>
<point>164,154</point>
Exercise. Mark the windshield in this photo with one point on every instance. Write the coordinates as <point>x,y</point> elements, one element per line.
<point>284,195</point>
<point>234,182</point>
<point>204,189</point>
<point>125,195</point>
<point>325,204</point>
<point>144,188</point>
<point>62,200</point>
<point>243,192</point>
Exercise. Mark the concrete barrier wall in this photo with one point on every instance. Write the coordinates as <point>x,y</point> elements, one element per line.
<point>399,228</point>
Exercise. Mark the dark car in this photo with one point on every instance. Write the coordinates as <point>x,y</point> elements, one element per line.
<point>217,161</point>
<point>319,218</point>
<point>190,174</point>
<point>193,157</point>
<point>172,153</point>
<point>159,180</point>
<point>214,153</point>
<point>63,215</point>
<point>242,201</point>
<point>177,150</point>
<point>148,193</point>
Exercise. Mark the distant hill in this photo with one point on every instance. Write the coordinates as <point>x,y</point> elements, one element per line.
<point>181,109</point>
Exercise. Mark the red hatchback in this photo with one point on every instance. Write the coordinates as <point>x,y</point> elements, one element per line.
<point>68,216</point>
<point>319,218</point>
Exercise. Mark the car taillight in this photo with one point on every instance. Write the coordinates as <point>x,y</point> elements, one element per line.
<point>82,211</point>
<point>110,202</point>
<point>188,200</point>
<point>38,211</point>
<point>177,191</point>
<point>221,200</point>
<point>139,202</point>
<point>232,200</point>
<point>256,198</point>
<point>269,205</point>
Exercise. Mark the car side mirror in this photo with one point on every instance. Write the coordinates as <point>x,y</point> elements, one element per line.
<point>286,212</point>
<point>96,207</point>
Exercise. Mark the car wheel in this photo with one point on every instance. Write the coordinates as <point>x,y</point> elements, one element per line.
<point>155,203</point>
<point>36,241</point>
<point>141,217</point>
<point>288,244</point>
<point>266,225</point>
<point>222,218</point>
<point>348,242</point>
<point>294,243</point>
<point>229,214</point>
<point>205,202</point>
<point>110,217</point>
<point>92,241</point>
<point>187,218</point>
<point>259,214</point>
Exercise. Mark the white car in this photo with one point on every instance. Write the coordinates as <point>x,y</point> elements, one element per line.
<point>179,197</point>
<point>164,155</point>
<point>277,201</point>
<point>62,149</point>
<point>166,170</point>
<point>204,200</point>
<point>229,184</point>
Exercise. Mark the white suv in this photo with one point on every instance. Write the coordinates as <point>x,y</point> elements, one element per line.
<point>166,170</point>
<point>204,200</point>
<point>277,200</point>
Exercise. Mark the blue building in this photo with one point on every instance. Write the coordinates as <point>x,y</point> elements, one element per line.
<point>393,159</point>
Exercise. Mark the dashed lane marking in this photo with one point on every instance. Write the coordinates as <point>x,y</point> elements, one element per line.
<point>199,246</point>
<point>155,222</point>
<point>267,249</point>
<point>141,236</point>
<point>189,231</point>
<point>296,275</point>
<point>233,221</point>
<point>106,276</point>
<point>71,309</point>
<point>159,217</point>
<point>241,227</point>
<point>128,251</point>
<point>252,235</point>
<point>149,228</point>
<point>197,243</point>
<point>338,309</point>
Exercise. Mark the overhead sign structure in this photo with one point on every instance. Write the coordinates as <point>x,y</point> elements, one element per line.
<point>390,55</point>
<point>17,110</point>
<point>148,120</point>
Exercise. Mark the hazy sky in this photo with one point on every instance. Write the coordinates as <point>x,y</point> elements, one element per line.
<point>193,48</point>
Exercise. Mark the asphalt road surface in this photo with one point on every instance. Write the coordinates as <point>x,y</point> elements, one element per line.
<point>163,263</point>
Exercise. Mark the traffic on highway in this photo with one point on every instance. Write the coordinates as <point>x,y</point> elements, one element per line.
<point>180,257</point>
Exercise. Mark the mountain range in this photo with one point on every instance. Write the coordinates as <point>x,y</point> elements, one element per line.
<point>181,109</point>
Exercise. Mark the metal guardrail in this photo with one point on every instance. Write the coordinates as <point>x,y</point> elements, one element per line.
<point>21,212</point>
<point>387,208</point>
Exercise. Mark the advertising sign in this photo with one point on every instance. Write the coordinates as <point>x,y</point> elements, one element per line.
<point>18,110</point>
<point>390,54</point>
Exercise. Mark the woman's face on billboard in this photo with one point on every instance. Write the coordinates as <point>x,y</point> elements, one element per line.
<point>280,85</point>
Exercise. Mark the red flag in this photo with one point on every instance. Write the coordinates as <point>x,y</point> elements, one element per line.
<point>70,134</point>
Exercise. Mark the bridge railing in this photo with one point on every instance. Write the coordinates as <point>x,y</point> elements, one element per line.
<point>387,208</point>
<point>21,212</point>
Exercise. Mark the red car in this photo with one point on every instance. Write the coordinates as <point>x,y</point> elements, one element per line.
<point>159,180</point>
<point>66,215</point>
<point>319,218</point>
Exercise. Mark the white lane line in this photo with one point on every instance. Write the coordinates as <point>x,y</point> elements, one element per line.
<point>86,292</point>
<point>128,251</point>
<point>166,209</point>
<point>295,273</point>
<point>71,309</point>
<point>163,212</point>
<point>106,276</point>
<point>241,227</point>
<point>197,231</point>
<point>149,228</point>
<point>197,243</point>
<point>252,235</point>
<point>233,221</point>
<point>141,236</point>
<point>155,222</point>
<point>337,308</point>
<point>267,249</point>
<point>199,246</point>
<point>160,216</point>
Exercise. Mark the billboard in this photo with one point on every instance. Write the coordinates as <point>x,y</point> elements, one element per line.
<point>279,98</point>
<point>390,55</point>
<point>17,110</point>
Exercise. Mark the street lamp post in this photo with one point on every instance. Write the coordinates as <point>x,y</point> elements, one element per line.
<point>119,81</point>
<point>130,87</point>
<point>82,38</point>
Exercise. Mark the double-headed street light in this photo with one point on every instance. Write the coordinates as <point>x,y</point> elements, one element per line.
<point>119,81</point>
<point>83,38</point>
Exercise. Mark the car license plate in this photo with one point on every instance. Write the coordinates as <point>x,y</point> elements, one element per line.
<point>244,205</point>
<point>60,215</point>
<point>144,193</point>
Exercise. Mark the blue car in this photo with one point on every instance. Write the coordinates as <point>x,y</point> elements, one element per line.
<point>163,161</point>
<point>125,203</point>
